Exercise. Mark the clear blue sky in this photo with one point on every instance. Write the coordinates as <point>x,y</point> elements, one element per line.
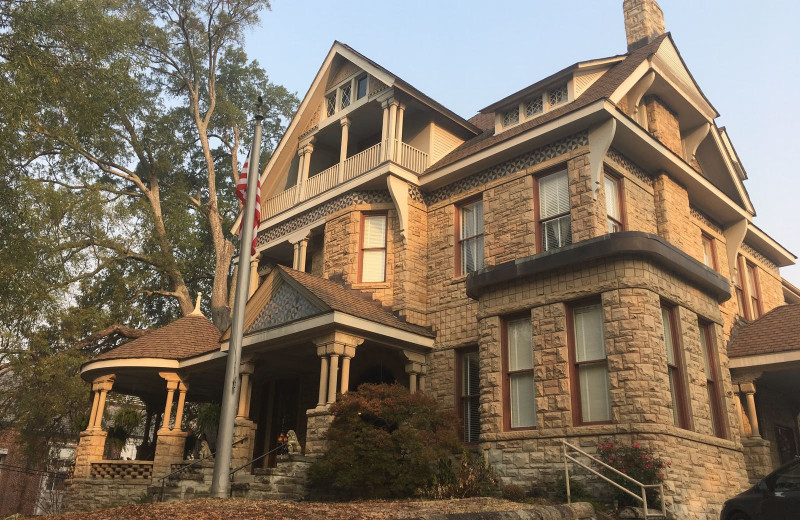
<point>745,55</point>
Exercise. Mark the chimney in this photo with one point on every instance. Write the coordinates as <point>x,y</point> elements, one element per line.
<point>644,22</point>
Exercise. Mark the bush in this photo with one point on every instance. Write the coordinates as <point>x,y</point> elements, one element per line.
<point>638,463</point>
<point>383,443</point>
<point>577,489</point>
<point>126,421</point>
<point>514,492</point>
<point>474,478</point>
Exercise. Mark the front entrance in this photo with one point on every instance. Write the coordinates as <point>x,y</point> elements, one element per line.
<point>278,414</point>
<point>784,439</point>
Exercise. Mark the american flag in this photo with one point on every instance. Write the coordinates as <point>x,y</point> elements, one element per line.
<point>241,194</point>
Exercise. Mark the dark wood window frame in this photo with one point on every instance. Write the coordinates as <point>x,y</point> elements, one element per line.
<point>462,398</point>
<point>457,231</point>
<point>537,210</point>
<point>507,374</point>
<point>739,286</point>
<point>712,379</point>
<point>619,181</point>
<point>712,246</point>
<point>753,290</point>
<point>361,248</point>
<point>676,372</point>
<point>574,386</point>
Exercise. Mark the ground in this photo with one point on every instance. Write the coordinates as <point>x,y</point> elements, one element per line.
<point>236,508</point>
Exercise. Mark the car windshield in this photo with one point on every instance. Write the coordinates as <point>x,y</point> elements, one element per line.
<point>785,479</point>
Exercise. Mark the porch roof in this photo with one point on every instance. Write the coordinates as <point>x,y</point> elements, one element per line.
<point>775,332</point>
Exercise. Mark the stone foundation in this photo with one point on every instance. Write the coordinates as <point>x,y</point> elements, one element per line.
<point>169,451</point>
<point>89,494</point>
<point>757,458</point>
<point>319,420</point>
<point>244,435</point>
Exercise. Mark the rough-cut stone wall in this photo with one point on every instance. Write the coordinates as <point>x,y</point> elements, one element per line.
<point>411,267</point>
<point>663,124</point>
<point>643,22</point>
<point>509,223</point>
<point>90,494</point>
<point>588,214</point>
<point>673,215</point>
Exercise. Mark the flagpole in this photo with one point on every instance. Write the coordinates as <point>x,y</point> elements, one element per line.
<point>220,484</point>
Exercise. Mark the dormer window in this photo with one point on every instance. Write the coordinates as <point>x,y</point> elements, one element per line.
<point>534,107</point>
<point>557,95</point>
<point>511,117</point>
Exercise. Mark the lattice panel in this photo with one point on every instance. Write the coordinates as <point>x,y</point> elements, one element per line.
<point>534,106</point>
<point>557,95</point>
<point>286,305</point>
<point>511,117</point>
<point>346,94</point>
<point>116,470</point>
<point>330,104</point>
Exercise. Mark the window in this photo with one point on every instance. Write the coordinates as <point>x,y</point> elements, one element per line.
<point>613,204</point>
<point>519,385</point>
<point>753,289</point>
<point>361,87</point>
<point>534,106</point>
<point>591,401</point>
<point>511,117</point>
<point>469,230</point>
<point>330,104</point>
<point>469,395</point>
<point>557,95</point>
<point>373,248</point>
<point>345,92</point>
<point>680,413</point>
<point>709,253</point>
<point>554,215</point>
<point>739,286</point>
<point>710,365</point>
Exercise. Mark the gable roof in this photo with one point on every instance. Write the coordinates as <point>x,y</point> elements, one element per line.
<point>603,88</point>
<point>183,338</point>
<point>288,295</point>
<point>776,331</point>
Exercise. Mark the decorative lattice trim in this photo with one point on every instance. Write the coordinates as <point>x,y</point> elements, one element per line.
<point>631,167</point>
<point>557,95</point>
<point>534,106</point>
<point>705,219</point>
<point>131,469</point>
<point>766,262</point>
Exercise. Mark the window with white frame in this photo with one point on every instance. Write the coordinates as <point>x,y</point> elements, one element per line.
<point>470,237</point>
<point>373,248</point>
<point>361,87</point>
<point>556,226</point>
<point>613,209</point>
<point>330,104</point>
<point>591,366</point>
<point>511,117</point>
<point>519,373</point>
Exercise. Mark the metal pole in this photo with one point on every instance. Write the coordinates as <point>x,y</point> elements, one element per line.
<point>222,465</point>
<point>566,473</point>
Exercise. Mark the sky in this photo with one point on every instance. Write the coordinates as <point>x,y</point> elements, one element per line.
<point>467,54</point>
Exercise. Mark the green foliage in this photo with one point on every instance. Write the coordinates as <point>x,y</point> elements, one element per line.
<point>639,463</point>
<point>473,478</point>
<point>124,423</point>
<point>384,442</point>
<point>577,489</point>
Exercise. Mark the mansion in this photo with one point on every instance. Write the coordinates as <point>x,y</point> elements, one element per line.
<point>579,261</point>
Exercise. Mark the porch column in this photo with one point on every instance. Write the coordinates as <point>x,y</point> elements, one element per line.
<point>246,371</point>
<point>172,385</point>
<point>385,131</point>
<point>323,378</point>
<point>415,366</point>
<point>346,371</point>
<point>392,129</point>
<point>254,274</point>
<point>95,401</point>
<point>749,390</point>
<point>305,162</point>
<point>182,388</point>
<point>301,264</point>
<point>334,368</point>
<point>399,152</point>
<point>343,149</point>
<point>744,425</point>
<point>300,169</point>
<point>423,376</point>
<point>103,385</point>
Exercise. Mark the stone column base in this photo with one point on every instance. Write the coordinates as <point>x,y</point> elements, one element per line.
<point>319,420</point>
<point>91,447</point>
<point>243,451</point>
<point>757,458</point>
<point>169,450</point>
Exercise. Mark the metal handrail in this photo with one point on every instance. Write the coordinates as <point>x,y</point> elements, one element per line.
<point>163,479</point>
<point>643,487</point>
<point>276,448</point>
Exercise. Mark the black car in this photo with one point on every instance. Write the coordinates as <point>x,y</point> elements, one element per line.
<point>775,497</point>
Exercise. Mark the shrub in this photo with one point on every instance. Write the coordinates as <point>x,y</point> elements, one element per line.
<point>638,463</point>
<point>577,489</point>
<point>473,478</point>
<point>513,492</point>
<point>126,421</point>
<point>383,442</point>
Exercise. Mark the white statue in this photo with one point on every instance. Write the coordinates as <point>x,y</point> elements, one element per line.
<point>292,444</point>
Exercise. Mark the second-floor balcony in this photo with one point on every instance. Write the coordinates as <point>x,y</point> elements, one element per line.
<point>354,166</point>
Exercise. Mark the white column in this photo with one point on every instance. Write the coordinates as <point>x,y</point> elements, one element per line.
<point>300,170</point>
<point>323,380</point>
<point>392,127</point>
<point>182,388</point>
<point>744,429</point>
<point>334,372</point>
<point>749,390</point>
<point>399,155</point>
<point>306,164</point>
<point>385,131</point>
<point>343,149</point>
<point>253,275</point>
<point>412,382</point>
<point>301,254</point>
<point>171,387</point>
<point>95,402</point>
<point>345,374</point>
<point>242,410</point>
<point>296,259</point>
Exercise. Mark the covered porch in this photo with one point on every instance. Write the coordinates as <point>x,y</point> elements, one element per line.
<point>765,371</point>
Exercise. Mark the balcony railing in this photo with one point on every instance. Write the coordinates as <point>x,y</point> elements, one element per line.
<point>404,154</point>
<point>322,181</point>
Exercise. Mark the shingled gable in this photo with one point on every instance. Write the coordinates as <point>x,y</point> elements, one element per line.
<point>288,295</point>
<point>776,331</point>
<point>183,338</point>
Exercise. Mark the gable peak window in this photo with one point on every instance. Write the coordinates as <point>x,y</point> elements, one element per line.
<point>556,224</point>
<point>469,230</point>
<point>373,248</point>
<point>361,87</point>
<point>330,104</point>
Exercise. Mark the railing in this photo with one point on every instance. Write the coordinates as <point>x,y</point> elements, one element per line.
<point>322,181</point>
<point>280,202</point>
<point>361,162</point>
<point>130,469</point>
<point>411,158</point>
<point>643,487</point>
<point>277,448</point>
<point>163,479</point>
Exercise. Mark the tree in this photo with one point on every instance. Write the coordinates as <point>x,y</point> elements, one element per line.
<point>122,126</point>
